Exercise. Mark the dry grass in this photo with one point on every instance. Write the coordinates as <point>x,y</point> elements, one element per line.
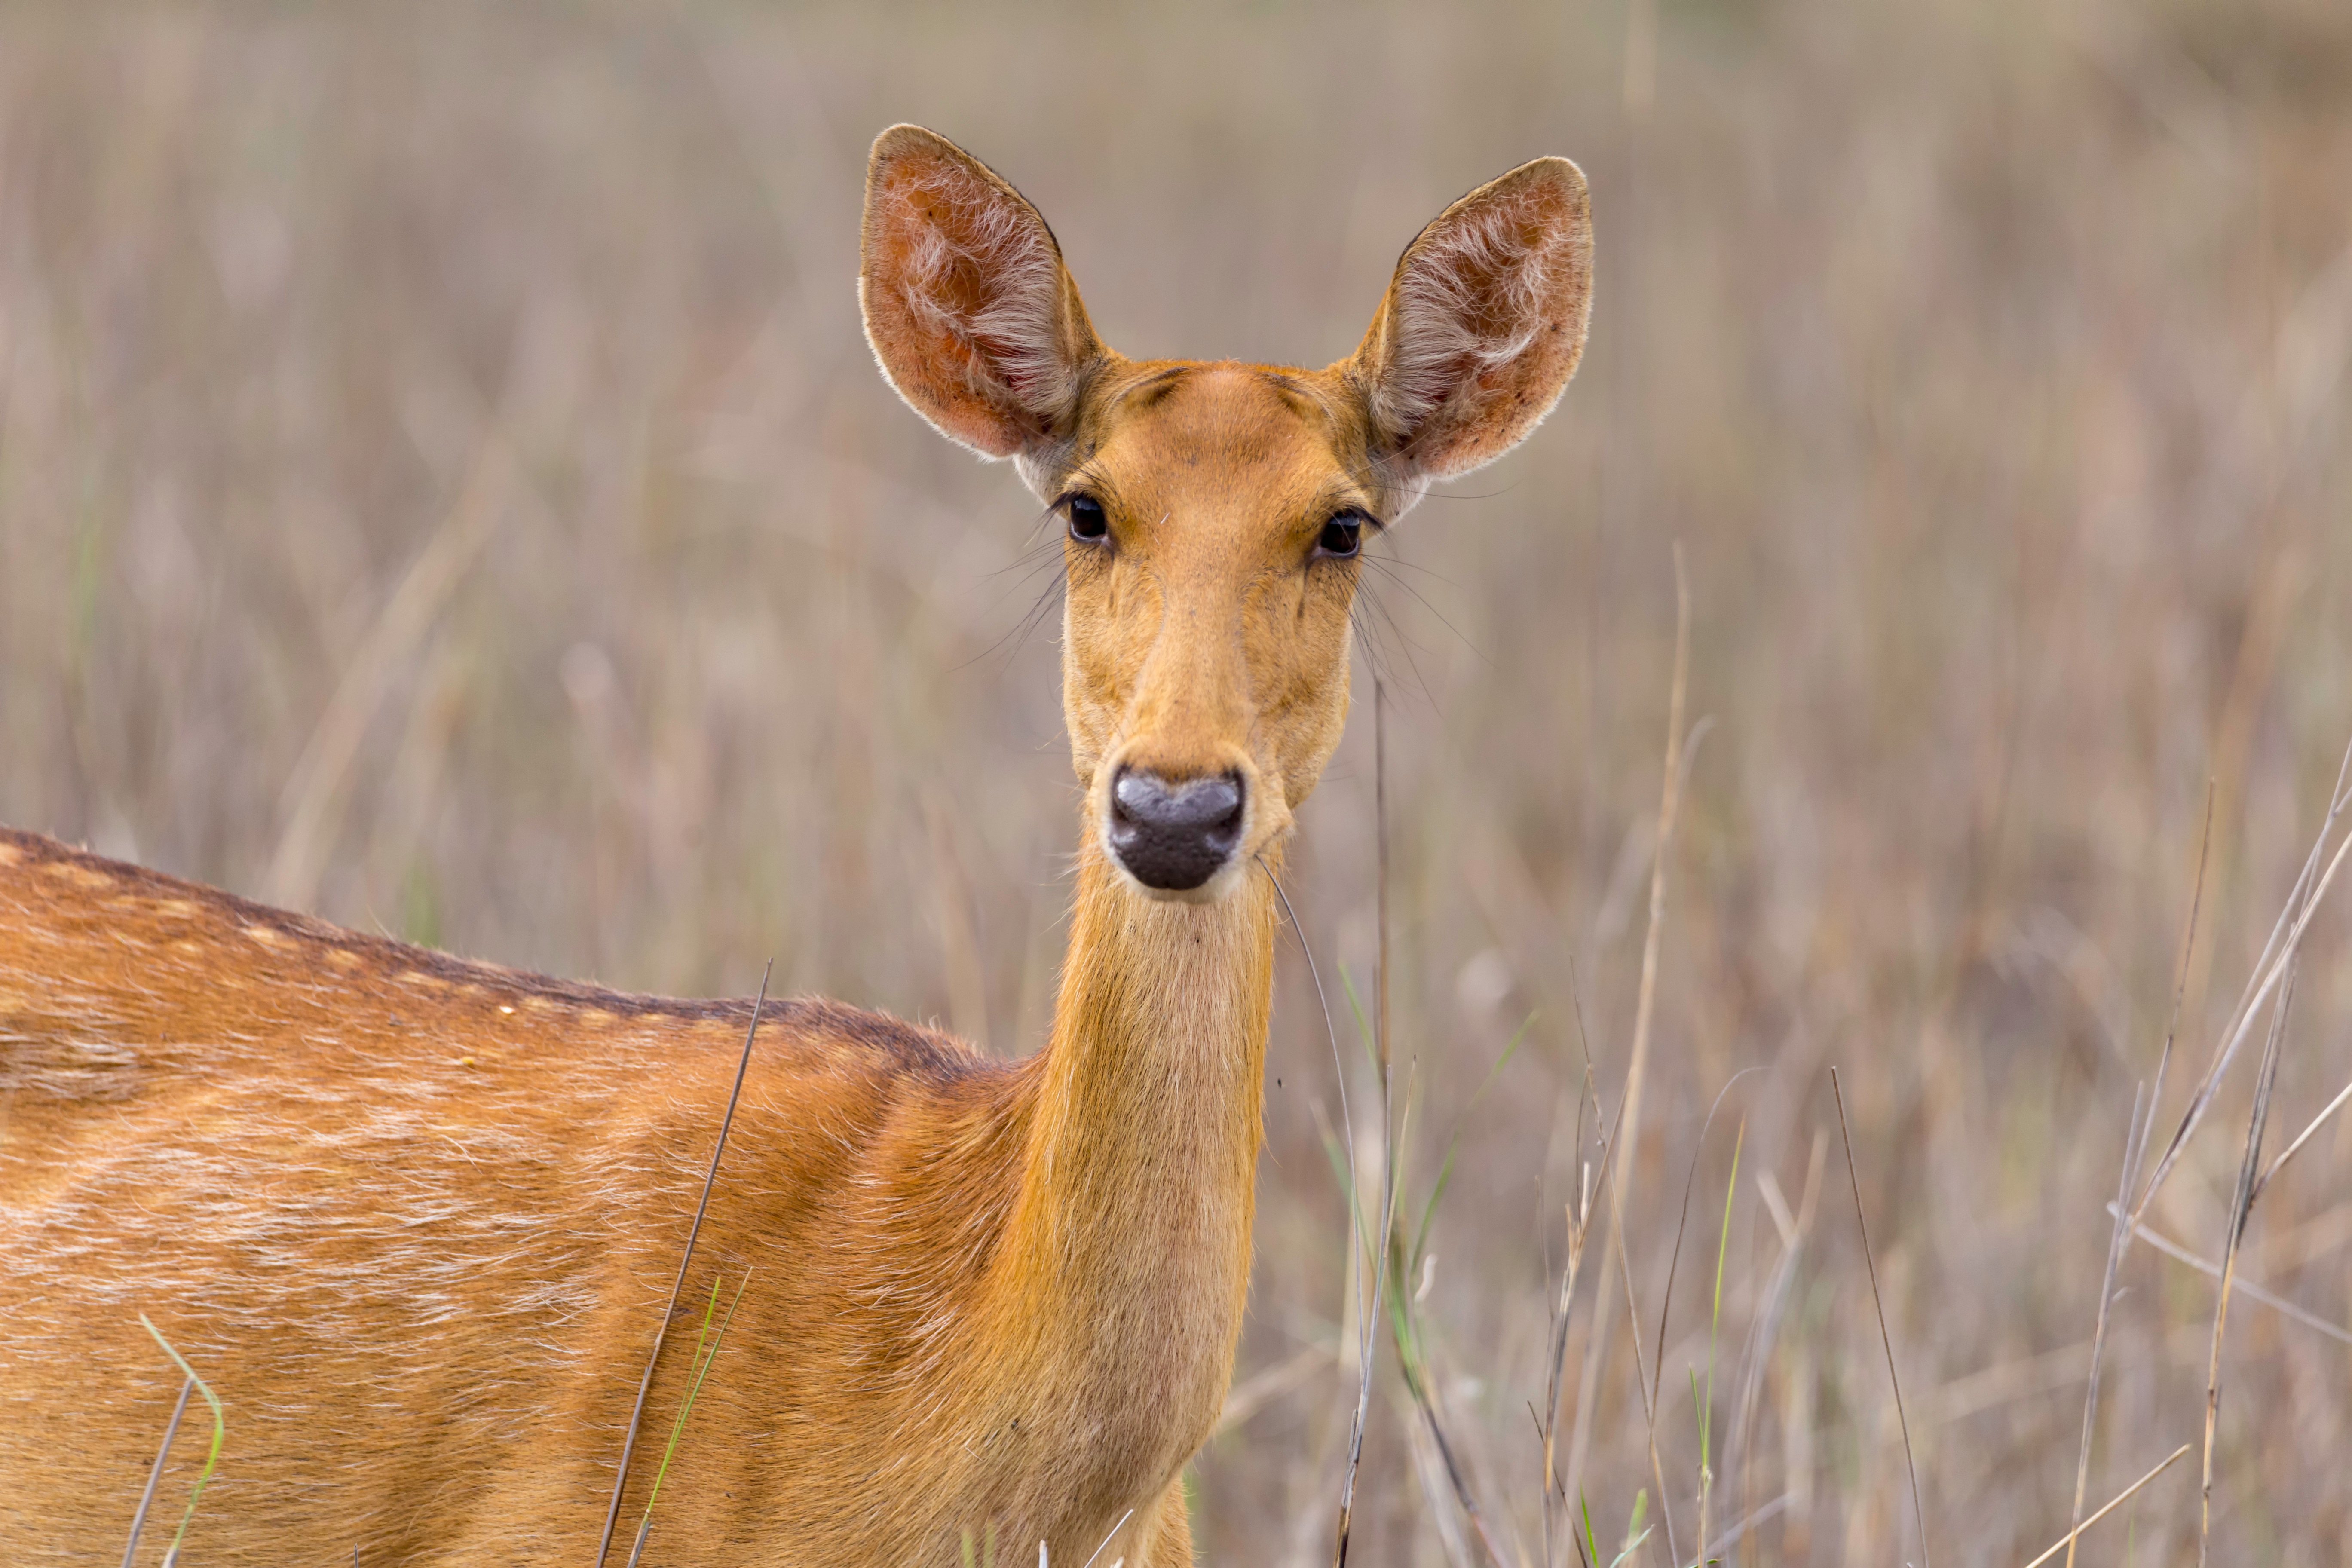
<point>441,483</point>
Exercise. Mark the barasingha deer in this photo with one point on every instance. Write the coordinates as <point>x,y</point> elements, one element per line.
<point>416,1218</point>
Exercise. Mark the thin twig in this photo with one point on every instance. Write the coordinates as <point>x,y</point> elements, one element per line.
<point>2304,1137</point>
<point>2240,1287</point>
<point>1339,1067</point>
<point>1884,1337</point>
<point>2279,966</point>
<point>1355,1210</point>
<point>2188,947</point>
<point>2117,1242</point>
<point>1368,1341</point>
<point>694,1232</point>
<point>2287,936</point>
<point>699,1365</point>
<point>2239,1209</point>
<point>147,1498</point>
<point>1649,1407</point>
<point>2120,1499</point>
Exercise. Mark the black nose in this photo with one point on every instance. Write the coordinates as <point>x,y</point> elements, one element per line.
<point>1174,836</point>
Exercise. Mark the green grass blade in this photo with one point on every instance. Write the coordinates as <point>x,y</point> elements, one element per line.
<point>1722,1245</point>
<point>211,1456</point>
<point>677,1422</point>
<point>717,1340</point>
<point>1634,1532</point>
<point>698,1368</point>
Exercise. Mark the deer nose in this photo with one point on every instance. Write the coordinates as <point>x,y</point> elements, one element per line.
<point>1174,836</point>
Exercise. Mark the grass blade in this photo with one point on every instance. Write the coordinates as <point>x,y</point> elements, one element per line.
<point>212,1454</point>
<point>2120,1238</point>
<point>147,1497</point>
<point>1878,1301</point>
<point>2120,1499</point>
<point>694,1232</point>
<point>700,1369</point>
<point>2240,1209</point>
<point>2136,1150</point>
<point>2242,1287</point>
<point>1679,748</point>
<point>1714,1326</point>
<point>1369,1335</point>
<point>2287,937</point>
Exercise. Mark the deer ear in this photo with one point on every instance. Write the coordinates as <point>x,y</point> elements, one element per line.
<point>967,306</point>
<point>1483,322</point>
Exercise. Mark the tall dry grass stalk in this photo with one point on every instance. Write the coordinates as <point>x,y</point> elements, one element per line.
<point>2134,1148</point>
<point>1637,1063</point>
<point>1878,1306</point>
<point>677,1288</point>
<point>1371,1247</point>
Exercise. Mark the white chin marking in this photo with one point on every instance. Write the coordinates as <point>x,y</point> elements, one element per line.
<point>1220,886</point>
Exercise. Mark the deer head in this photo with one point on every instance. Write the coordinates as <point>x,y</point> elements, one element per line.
<point>1216,512</point>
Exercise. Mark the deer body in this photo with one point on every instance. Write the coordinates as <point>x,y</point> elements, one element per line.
<point>416,1218</point>
<point>394,1145</point>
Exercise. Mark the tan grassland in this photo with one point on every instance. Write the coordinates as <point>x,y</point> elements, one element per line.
<point>442,487</point>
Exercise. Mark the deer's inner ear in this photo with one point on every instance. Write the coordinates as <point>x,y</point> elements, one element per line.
<point>1483,324</point>
<point>969,309</point>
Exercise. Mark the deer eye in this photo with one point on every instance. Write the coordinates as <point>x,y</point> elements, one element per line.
<point>1087,519</point>
<point>1342,536</point>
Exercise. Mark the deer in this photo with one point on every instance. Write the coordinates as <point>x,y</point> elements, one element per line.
<point>415,1217</point>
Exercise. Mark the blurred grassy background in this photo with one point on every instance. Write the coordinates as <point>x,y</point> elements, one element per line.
<point>443,486</point>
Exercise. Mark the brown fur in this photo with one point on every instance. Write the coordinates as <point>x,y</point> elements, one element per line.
<point>415,1217</point>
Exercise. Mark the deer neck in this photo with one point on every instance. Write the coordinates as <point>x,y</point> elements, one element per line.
<point>1133,1227</point>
